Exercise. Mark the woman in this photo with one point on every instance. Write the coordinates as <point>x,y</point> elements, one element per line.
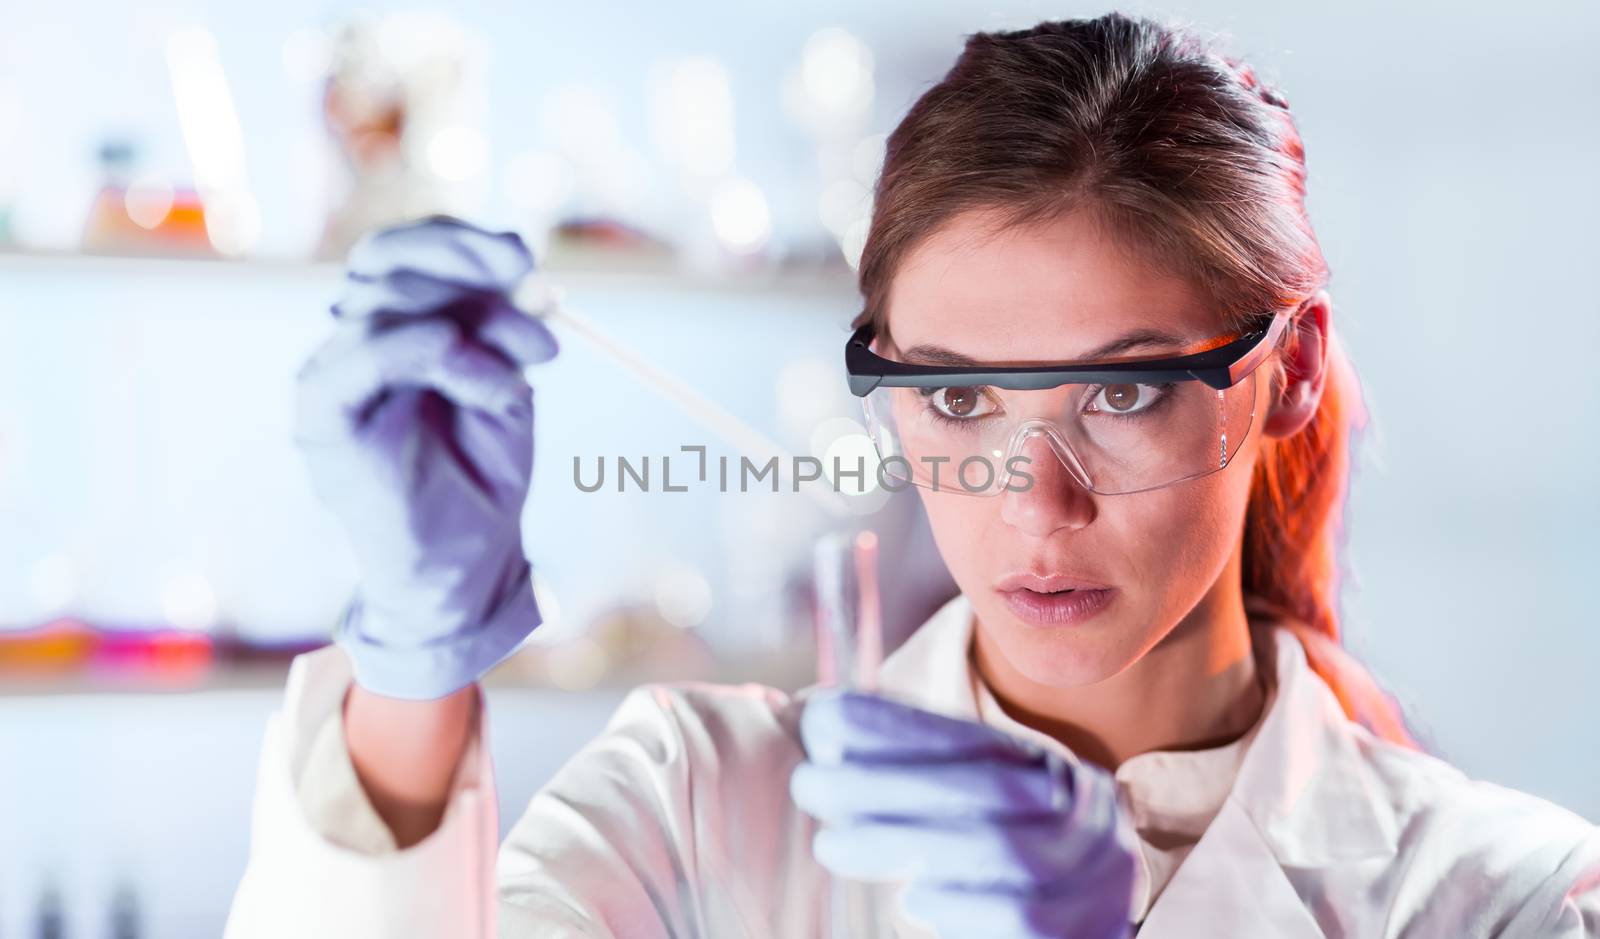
<point>1089,256</point>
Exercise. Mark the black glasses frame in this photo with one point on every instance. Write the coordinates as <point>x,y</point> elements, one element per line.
<point>1221,367</point>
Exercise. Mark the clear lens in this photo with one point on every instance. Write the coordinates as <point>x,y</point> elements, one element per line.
<point>1111,438</point>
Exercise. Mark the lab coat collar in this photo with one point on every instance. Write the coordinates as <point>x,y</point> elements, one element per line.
<point>1304,795</point>
<point>1307,781</point>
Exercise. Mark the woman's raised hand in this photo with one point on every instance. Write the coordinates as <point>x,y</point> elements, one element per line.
<point>416,424</point>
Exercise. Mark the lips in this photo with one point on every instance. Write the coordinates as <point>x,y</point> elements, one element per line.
<point>1062,608</point>
<point>1047,583</point>
<point>1055,599</point>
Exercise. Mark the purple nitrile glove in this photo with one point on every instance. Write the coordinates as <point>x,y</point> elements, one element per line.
<point>994,836</point>
<point>416,424</point>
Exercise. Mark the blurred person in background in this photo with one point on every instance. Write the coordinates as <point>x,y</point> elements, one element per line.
<point>1136,716</point>
<point>398,83</point>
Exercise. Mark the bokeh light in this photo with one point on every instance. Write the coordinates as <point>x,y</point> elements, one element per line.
<point>692,116</point>
<point>740,217</point>
<point>682,596</point>
<point>458,154</point>
<point>188,601</point>
<point>148,200</point>
<point>836,69</point>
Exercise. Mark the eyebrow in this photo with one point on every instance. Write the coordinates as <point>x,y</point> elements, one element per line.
<point>928,354</point>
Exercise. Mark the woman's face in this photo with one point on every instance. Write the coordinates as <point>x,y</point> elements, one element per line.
<point>1049,292</point>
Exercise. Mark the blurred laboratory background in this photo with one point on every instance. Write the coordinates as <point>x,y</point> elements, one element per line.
<point>179,180</point>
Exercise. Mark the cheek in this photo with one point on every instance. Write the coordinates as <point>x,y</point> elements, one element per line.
<point>961,526</point>
<point>1177,540</point>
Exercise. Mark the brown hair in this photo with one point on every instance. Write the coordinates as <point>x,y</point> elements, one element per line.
<point>1185,157</point>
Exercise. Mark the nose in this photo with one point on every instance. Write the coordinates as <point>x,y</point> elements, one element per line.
<point>1056,499</point>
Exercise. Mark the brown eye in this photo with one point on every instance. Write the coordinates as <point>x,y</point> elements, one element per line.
<point>1125,400</point>
<point>959,403</point>
<point>1122,397</point>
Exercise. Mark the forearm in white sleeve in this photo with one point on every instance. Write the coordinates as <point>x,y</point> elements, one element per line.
<point>322,863</point>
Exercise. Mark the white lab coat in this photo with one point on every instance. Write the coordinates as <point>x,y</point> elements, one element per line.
<point>676,822</point>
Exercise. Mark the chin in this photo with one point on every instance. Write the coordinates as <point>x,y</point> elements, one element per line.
<point>1063,656</point>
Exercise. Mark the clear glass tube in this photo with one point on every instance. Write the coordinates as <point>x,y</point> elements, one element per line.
<point>848,611</point>
<point>849,625</point>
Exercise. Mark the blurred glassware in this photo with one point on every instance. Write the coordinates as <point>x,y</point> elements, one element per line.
<point>404,105</point>
<point>603,242</point>
<point>629,643</point>
<point>124,911</point>
<point>49,914</point>
<point>67,647</point>
<point>12,158</point>
<point>142,215</point>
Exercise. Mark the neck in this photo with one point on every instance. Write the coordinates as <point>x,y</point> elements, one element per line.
<point>1198,687</point>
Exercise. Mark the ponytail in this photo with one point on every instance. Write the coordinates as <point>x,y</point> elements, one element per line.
<point>1294,539</point>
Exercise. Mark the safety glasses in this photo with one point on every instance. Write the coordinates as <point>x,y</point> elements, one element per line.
<point>1116,425</point>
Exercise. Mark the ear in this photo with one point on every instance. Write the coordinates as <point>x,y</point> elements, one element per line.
<point>1304,352</point>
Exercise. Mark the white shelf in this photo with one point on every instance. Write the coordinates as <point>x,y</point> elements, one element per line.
<point>577,269</point>
<point>786,671</point>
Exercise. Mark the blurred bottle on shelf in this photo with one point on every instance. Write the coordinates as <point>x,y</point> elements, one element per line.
<point>124,921</point>
<point>142,214</point>
<point>66,649</point>
<point>49,919</point>
<point>598,243</point>
<point>7,235</point>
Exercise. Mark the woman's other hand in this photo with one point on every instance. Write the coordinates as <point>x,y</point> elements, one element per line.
<point>994,836</point>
